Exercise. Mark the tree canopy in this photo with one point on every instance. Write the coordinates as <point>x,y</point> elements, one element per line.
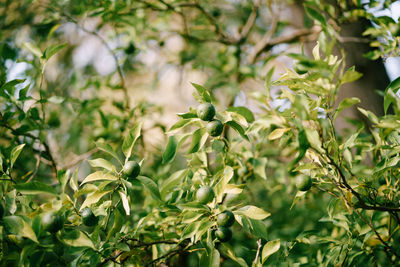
<point>198,133</point>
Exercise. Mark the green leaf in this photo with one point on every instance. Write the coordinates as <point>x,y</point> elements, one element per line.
<point>211,259</point>
<point>102,163</point>
<point>17,226</point>
<point>33,188</point>
<point>33,49</point>
<point>350,76</point>
<point>205,225</point>
<point>236,126</point>
<point>13,224</point>
<point>93,198</point>
<point>182,123</point>
<point>371,116</point>
<point>259,165</point>
<point>125,203</point>
<point>15,153</point>
<point>277,133</point>
<point>52,50</point>
<point>10,87</point>
<point>222,183</point>
<point>82,240</point>
<point>394,86</point>
<point>108,149</point>
<point>345,103</point>
<point>190,230</point>
<point>231,255</point>
<point>198,140</point>
<point>314,139</point>
<point>173,181</point>
<point>151,186</point>
<point>315,15</point>
<point>253,212</point>
<point>245,112</point>
<point>99,175</point>
<point>270,248</point>
<point>73,181</point>
<point>130,140</point>
<point>11,204</point>
<point>170,150</point>
<point>204,94</point>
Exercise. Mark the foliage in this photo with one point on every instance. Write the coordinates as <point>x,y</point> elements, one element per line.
<point>120,199</point>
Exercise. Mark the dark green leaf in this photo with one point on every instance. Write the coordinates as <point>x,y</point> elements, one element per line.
<point>245,112</point>
<point>33,188</point>
<point>170,150</point>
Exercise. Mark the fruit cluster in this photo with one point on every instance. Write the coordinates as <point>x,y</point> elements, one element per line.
<point>225,219</point>
<point>206,112</point>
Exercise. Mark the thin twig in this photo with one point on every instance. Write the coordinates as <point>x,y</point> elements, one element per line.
<point>250,21</point>
<point>258,251</point>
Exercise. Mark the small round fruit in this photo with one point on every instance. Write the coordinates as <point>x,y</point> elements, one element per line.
<point>88,217</point>
<point>226,218</point>
<point>52,222</point>
<point>304,183</point>
<point>382,180</point>
<point>205,194</point>
<point>131,169</point>
<point>206,111</point>
<point>214,128</point>
<point>223,234</point>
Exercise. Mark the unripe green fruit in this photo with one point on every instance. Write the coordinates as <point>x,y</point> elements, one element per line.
<point>131,169</point>
<point>382,180</point>
<point>226,218</point>
<point>223,234</point>
<point>214,128</point>
<point>304,183</point>
<point>52,222</point>
<point>206,111</point>
<point>88,217</point>
<point>205,194</point>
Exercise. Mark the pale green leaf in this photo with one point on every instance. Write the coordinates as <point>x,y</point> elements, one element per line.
<point>15,153</point>
<point>223,181</point>
<point>270,248</point>
<point>253,212</point>
<point>130,140</point>
<point>102,163</point>
<point>277,133</point>
<point>93,198</point>
<point>82,240</point>
<point>125,203</point>
<point>99,175</point>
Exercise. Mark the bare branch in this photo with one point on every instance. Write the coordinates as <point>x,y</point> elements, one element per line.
<point>250,21</point>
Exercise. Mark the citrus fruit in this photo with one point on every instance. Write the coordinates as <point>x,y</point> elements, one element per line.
<point>206,111</point>
<point>223,234</point>
<point>131,169</point>
<point>226,218</point>
<point>214,128</point>
<point>205,194</point>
